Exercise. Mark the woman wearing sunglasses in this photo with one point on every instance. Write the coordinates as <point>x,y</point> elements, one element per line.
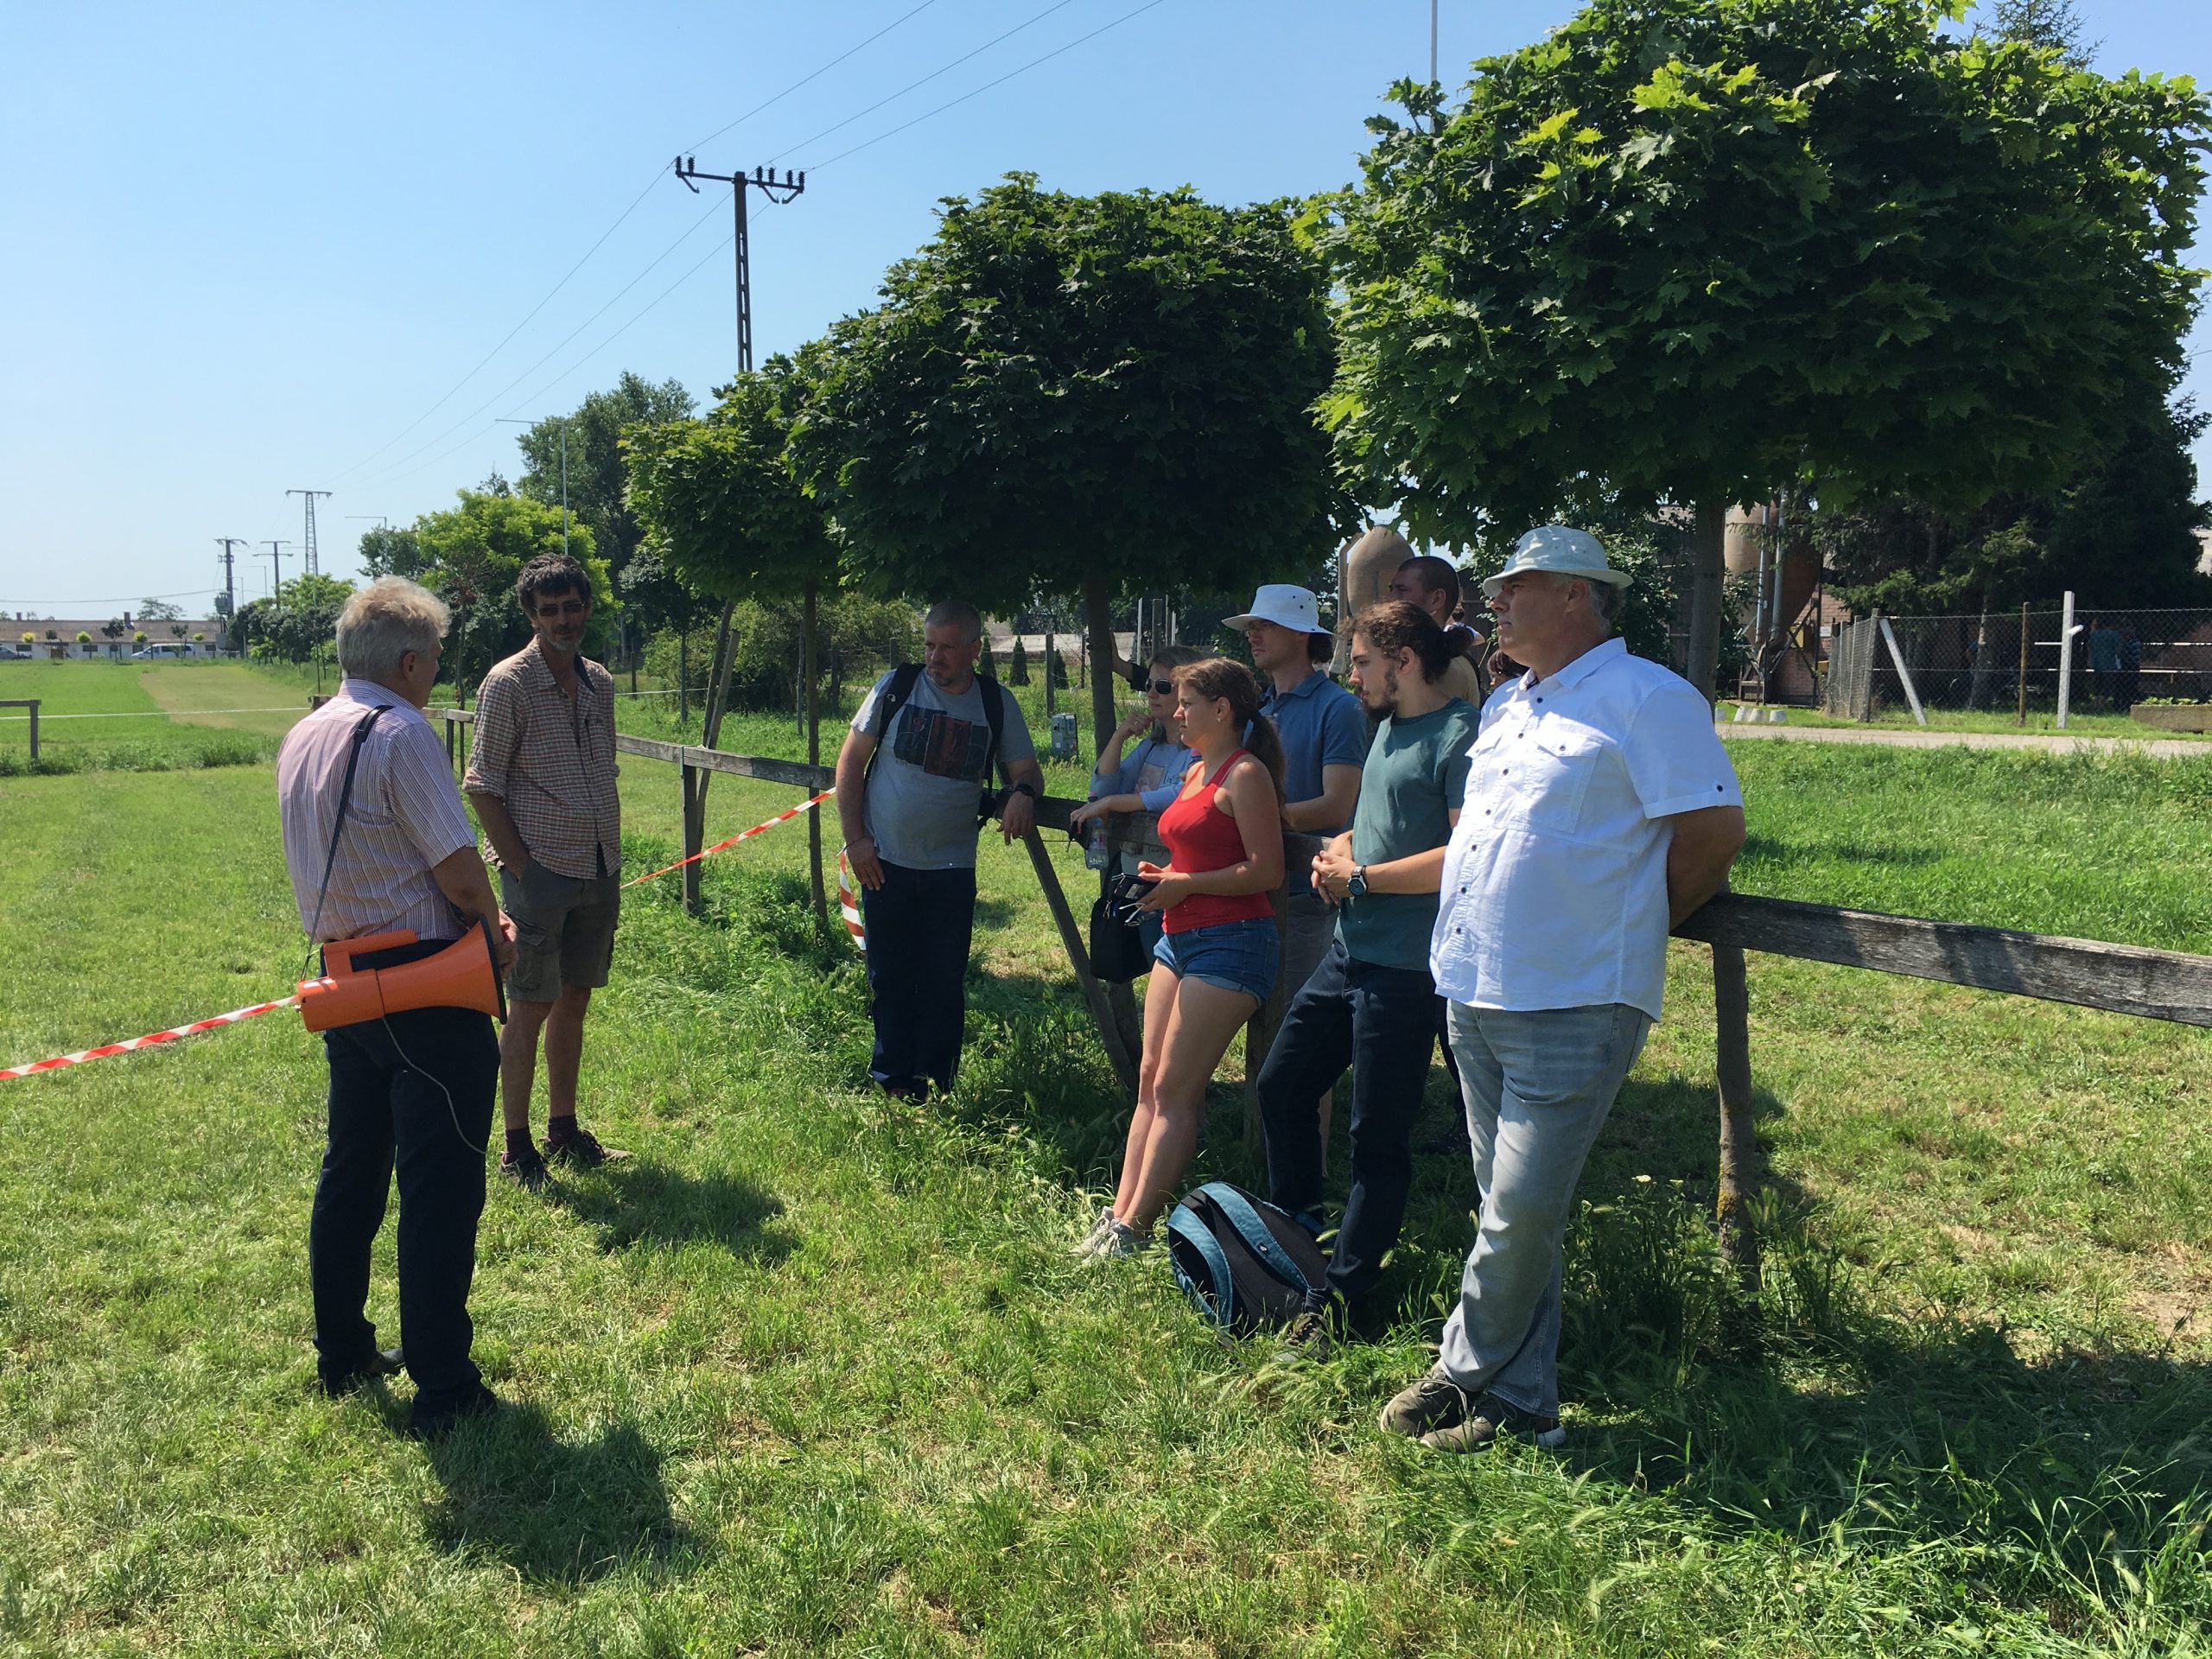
<point>1152,773</point>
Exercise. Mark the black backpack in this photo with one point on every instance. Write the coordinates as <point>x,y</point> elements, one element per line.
<point>1244,1262</point>
<point>895,697</point>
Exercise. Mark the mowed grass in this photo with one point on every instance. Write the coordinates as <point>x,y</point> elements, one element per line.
<point>140,716</point>
<point>813,1374</point>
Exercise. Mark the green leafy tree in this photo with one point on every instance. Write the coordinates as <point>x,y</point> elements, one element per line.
<point>390,551</point>
<point>470,557</point>
<point>1080,394</point>
<point>299,625</point>
<point>598,478</point>
<point>158,610</point>
<point>1697,249</point>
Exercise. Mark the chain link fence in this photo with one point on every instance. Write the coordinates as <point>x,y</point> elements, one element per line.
<point>1999,660</point>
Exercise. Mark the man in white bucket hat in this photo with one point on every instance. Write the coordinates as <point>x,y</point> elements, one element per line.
<point>1600,810</point>
<point>1324,737</point>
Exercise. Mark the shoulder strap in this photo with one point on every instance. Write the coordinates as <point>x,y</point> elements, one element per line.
<point>361,728</point>
<point>895,697</point>
<point>1256,1233</point>
<point>1219,1298</point>
<point>1235,755</point>
<point>994,716</point>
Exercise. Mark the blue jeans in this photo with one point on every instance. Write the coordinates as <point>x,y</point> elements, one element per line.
<point>1537,1087</point>
<point>1382,1023</point>
<point>918,926</point>
<point>416,1089</point>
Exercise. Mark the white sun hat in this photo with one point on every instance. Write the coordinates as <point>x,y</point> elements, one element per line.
<point>1561,551</point>
<point>1284,605</point>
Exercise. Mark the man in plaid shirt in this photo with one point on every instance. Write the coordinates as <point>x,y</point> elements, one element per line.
<point>541,775</point>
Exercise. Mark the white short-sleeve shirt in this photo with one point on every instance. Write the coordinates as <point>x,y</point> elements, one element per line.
<point>1555,885</point>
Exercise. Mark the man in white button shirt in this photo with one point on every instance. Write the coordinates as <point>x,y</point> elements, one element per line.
<point>1599,810</point>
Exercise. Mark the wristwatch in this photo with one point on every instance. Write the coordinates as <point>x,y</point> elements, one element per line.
<point>1356,887</point>
<point>1030,790</point>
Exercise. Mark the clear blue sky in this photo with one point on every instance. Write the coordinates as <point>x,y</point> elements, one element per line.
<point>247,246</point>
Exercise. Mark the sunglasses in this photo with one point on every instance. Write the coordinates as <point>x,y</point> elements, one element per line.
<point>570,608</point>
<point>1163,688</point>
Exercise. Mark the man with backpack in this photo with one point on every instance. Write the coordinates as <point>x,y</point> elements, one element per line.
<point>1371,1004</point>
<point>913,787</point>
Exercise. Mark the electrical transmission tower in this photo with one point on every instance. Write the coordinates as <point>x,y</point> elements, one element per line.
<point>229,574</point>
<point>307,548</point>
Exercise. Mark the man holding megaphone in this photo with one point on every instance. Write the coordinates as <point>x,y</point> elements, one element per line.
<point>378,844</point>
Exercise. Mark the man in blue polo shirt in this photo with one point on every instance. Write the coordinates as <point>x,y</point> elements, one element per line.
<point>1324,744</point>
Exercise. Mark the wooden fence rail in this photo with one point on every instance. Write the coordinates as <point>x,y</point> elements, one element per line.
<point>2117,978</point>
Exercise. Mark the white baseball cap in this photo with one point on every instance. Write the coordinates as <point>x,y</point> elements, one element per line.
<point>1561,551</point>
<point>1284,605</point>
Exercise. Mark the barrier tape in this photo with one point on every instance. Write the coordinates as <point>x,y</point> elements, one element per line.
<point>148,1041</point>
<point>807,806</point>
<point>154,1039</point>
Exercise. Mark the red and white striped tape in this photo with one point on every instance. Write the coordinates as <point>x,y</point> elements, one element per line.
<point>848,905</point>
<point>807,806</point>
<point>154,1039</point>
<point>147,1042</point>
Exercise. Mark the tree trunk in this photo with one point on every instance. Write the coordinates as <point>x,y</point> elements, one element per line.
<point>807,655</point>
<point>1984,670</point>
<point>1707,568</point>
<point>1098,616</point>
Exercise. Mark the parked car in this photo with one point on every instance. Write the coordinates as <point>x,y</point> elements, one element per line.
<point>160,654</point>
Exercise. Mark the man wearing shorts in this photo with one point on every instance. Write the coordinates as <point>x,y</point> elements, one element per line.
<point>541,775</point>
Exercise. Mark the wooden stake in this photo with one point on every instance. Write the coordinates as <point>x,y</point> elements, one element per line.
<point>1101,1012</point>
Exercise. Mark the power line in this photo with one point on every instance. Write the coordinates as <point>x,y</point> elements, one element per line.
<point>509,336</point>
<point>689,230</point>
<point>795,85</point>
<point>943,69</point>
<point>540,391</point>
<point>619,219</point>
<point>987,85</point>
<point>114,599</point>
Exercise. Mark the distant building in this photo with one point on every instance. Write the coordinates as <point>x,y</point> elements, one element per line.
<point>57,636</point>
<point>2204,552</point>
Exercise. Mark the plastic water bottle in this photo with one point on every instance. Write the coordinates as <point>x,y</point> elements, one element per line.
<point>1096,854</point>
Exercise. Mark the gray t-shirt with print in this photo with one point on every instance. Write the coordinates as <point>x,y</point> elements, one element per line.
<point>928,781</point>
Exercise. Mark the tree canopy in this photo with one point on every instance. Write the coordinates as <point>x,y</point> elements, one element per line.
<point>1077,394</point>
<point>471,555</point>
<point>1699,249</point>
<point>598,480</point>
<point>718,498</point>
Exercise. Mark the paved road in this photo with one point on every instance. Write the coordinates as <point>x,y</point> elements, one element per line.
<point>2051,742</point>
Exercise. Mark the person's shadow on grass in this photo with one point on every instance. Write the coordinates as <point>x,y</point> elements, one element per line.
<point>642,1201</point>
<point>556,1512</point>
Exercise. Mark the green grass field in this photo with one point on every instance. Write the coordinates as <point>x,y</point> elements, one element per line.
<point>2040,722</point>
<point>810,1374</point>
<point>143,717</point>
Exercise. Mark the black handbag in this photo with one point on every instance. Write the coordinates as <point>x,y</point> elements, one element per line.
<point>1117,952</point>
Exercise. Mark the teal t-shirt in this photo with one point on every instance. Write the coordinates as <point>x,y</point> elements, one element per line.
<point>1416,773</point>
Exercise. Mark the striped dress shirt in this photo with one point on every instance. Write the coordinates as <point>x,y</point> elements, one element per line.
<point>551,760</point>
<point>405,817</point>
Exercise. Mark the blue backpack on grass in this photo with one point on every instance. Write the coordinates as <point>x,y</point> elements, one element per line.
<point>1244,1262</point>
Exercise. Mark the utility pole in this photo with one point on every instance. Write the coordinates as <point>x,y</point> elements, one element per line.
<point>230,574</point>
<point>308,548</point>
<point>275,555</point>
<point>510,420</point>
<point>740,188</point>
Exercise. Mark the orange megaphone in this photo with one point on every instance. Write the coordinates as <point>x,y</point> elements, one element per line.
<point>465,975</point>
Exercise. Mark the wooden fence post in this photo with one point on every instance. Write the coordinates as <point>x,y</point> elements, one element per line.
<point>695,823</point>
<point>1101,1012</point>
<point>1260,1031</point>
<point>1739,1148</point>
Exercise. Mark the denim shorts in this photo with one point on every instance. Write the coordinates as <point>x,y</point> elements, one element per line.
<point>1236,956</point>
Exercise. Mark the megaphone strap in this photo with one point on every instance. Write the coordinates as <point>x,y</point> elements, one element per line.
<point>344,798</point>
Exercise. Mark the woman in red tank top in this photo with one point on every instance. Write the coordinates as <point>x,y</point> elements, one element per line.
<point>1216,960</point>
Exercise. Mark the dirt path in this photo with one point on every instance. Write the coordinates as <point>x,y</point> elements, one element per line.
<point>2163,747</point>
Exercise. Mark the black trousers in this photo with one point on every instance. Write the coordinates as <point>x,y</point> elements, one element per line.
<point>1382,1023</point>
<point>918,926</point>
<point>414,1090</point>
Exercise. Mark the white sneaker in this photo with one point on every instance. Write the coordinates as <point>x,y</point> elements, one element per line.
<point>1121,1239</point>
<point>1097,1234</point>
